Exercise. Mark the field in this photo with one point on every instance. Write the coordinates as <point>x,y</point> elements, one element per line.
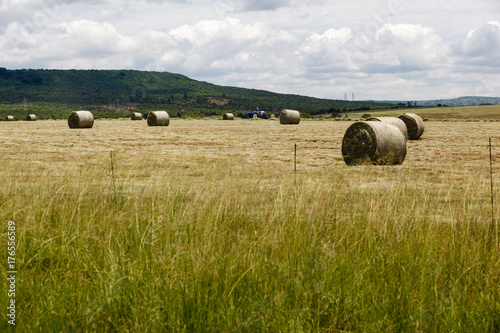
<point>205,226</point>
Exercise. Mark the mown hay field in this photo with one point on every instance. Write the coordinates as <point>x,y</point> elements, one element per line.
<point>204,226</point>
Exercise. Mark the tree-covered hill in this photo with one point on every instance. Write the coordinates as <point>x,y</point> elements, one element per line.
<point>121,91</point>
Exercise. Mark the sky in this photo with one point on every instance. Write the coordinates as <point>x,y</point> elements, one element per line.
<point>366,49</point>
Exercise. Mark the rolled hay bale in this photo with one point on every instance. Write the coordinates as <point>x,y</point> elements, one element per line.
<point>9,118</point>
<point>31,117</point>
<point>291,117</point>
<point>158,118</point>
<point>228,116</point>
<point>393,121</point>
<point>373,142</point>
<point>414,124</point>
<point>81,119</point>
<point>136,116</point>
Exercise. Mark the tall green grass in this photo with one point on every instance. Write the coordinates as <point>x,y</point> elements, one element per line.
<point>221,251</point>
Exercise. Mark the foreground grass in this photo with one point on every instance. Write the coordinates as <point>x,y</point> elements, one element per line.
<point>193,236</point>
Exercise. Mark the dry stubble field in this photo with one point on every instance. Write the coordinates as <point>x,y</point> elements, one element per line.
<point>204,226</point>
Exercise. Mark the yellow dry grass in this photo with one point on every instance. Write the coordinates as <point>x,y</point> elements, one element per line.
<point>198,150</point>
<point>258,147</point>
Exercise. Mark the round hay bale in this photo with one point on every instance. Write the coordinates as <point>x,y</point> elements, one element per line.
<point>136,116</point>
<point>414,124</point>
<point>289,117</point>
<point>9,118</point>
<point>228,116</point>
<point>31,117</point>
<point>373,142</point>
<point>81,119</point>
<point>393,121</point>
<point>158,118</point>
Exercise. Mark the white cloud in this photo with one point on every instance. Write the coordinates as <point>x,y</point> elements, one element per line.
<point>395,48</point>
<point>219,46</point>
<point>340,36</point>
<point>228,30</point>
<point>84,36</point>
<point>329,52</point>
<point>481,46</point>
<point>415,46</point>
<point>312,47</point>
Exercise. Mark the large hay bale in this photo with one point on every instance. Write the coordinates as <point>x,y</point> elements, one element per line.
<point>158,118</point>
<point>136,116</point>
<point>228,116</point>
<point>373,142</point>
<point>31,117</point>
<point>81,119</point>
<point>393,121</point>
<point>289,117</point>
<point>9,118</point>
<point>414,124</point>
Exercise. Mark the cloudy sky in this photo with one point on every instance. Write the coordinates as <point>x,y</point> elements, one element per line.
<point>376,49</point>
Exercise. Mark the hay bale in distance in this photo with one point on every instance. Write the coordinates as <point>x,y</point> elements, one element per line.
<point>9,118</point>
<point>228,116</point>
<point>373,142</point>
<point>81,119</point>
<point>158,118</point>
<point>393,121</point>
<point>291,117</point>
<point>136,116</point>
<point>414,124</point>
<point>31,117</point>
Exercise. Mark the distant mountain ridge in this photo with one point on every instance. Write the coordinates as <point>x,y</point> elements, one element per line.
<point>460,101</point>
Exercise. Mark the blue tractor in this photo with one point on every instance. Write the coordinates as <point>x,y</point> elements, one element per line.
<point>257,114</point>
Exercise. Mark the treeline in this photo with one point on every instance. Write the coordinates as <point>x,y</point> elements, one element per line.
<point>120,92</point>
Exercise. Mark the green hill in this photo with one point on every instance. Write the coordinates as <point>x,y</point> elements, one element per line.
<point>51,93</point>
